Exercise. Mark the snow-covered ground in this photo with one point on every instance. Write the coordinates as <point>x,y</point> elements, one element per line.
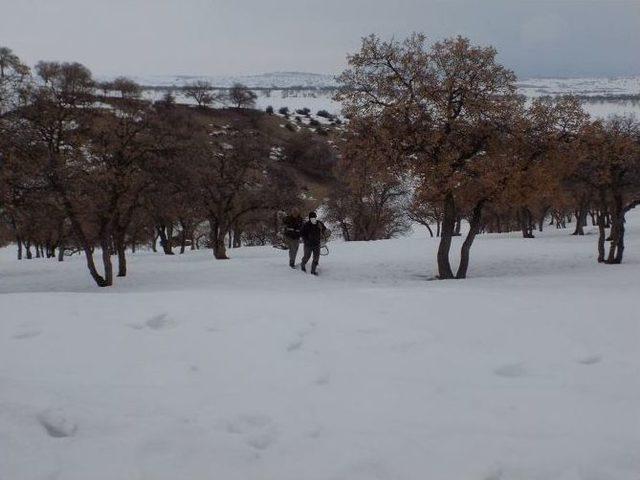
<point>193,368</point>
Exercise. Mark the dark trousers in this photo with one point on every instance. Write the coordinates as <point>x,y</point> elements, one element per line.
<point>293,244</point>
<point>308,251</point>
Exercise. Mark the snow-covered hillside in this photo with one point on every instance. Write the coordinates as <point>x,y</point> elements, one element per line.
<point>193,368</point>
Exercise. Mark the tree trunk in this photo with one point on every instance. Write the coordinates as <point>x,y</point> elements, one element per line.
<point>217,236</point>
<point>19,240</point>
<point>219,248</point>
<point>165,238</point>
<point>616,249</point>
<point>602,235</point>
<point>474,228</point>
<point>524,216</point>
<point>121,250</point>
<point>237,237</point>
<point>105,244</point>
<point>581,220</point>
<point>543,215</point>
<point>183,240</point>
<point>122,261</point>
<point>448,227</point>
<point>93,271</point>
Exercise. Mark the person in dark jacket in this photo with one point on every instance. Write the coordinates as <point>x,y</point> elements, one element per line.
<point>292,226</point>
<point>312,233</point>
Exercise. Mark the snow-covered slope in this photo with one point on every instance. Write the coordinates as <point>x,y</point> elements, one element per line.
<point>193,368</point>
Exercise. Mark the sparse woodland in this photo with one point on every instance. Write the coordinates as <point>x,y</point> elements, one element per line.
<point>447,117</point>
<point>435,134</point>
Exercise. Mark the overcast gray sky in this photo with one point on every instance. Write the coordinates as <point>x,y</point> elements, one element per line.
<point>136,37</point>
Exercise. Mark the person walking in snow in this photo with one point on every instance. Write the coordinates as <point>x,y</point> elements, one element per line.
<point>292,226</point>
<point>312,233</point>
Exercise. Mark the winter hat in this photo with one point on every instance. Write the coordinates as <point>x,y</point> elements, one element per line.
<point>312,215</point>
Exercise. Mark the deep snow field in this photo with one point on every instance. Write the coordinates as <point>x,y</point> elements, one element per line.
<point>193,368</point>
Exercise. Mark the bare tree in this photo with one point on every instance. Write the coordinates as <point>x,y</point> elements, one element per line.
<point>241,96</point>
<point>127,88</point>
<point>368,198</point>
<point>201,92</point>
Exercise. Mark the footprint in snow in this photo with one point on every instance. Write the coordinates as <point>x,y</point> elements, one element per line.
<point>590,360</point>
<point>299,341</point>
<point>323,379</point>
<point>157,322</point>
<point>295,345</point>
<point>511,370</point>
<point>27,334</point>
<point>56,423</point>
<point>261,441</point>
<point>247,423</point>
<point>258,430</point>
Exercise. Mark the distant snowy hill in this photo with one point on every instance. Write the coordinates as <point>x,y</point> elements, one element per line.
<point>587,87</point>
<point>264,80</point>
<point>601,97</point>
<point>531,87</point>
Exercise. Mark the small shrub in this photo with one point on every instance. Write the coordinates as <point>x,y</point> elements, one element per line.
<point>325,114</point>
